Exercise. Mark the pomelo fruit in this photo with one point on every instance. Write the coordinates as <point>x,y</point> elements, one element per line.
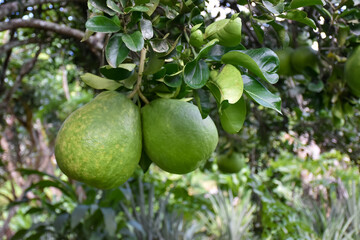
<point>175,136</point>
<point>352,72</point>
<point>285,68</point>
<point>100,143</point>
<point>228,31</point>
<point>230,164</point>
<point>196,38</point>
<point>302,58</point>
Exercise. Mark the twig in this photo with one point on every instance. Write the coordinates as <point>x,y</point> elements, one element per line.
<point>139,80</point>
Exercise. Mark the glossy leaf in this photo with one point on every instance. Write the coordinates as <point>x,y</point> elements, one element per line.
<point>299,16</point>
<point>229,84</point>
<point>159,45</point>
<point>196,74</point>
<point>134,41</point>
<point>304,3</point>
<point>109,220</point>
<point>78,214</point>
<point>146,28</point>
<point>233,117</point>
<point>263,62</point>
<point>206,49</point>
<point>172,76</point>
<point>112,5</point>
<point>274,8</point>
<point>102,6</point>
<point>202,98</point>
<point>115,73</point>
<point>136,9</point>
<point>145,162</point>
<point>116,51</point>
<point>102,24</point>
<point>152,6</point>
<point>99,82</point>
<point>261,94</point>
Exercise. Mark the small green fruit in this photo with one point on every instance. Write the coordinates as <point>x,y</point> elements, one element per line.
<point>285,68</point>
<point>196,38</point>
<point>230,164</point>
<point>352,72</point>
<point>228,31</point>
<point>302,58</point>
<point>176,138</point>
<point>100,143</point>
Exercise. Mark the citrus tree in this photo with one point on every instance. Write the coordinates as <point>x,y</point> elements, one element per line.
<point>178,86</point>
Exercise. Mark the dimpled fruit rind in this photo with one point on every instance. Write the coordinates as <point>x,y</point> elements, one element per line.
<point>352,72</point>
<point>100,143</point>
<point>176,138</point>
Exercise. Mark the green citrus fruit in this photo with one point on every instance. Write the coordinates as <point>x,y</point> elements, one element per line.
<point>230,164</point>
<point>228,31</point>
<point>302,58</point>
<point>175,136</point>
<point>196,38</point>
<point>285,68</point>
<point>100,143</point>
<point>352,72</point>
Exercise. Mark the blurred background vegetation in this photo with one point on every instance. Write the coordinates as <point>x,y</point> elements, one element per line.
<point>299,176</point>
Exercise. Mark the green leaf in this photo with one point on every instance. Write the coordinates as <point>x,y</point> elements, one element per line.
<point>152,6</point>
<point>261,94</point>
<point>102,24</point>
<point>78,214</point>
<point>109,220</point>
<point>202,98</point>
<point>229,84</point>
<point>303,3</point>
<point>99,82</point>
<point>263,62</point>
<point>258,31</point>
<point>206,49</point>
<point>60,222</point>
<point>316,86</point>
<point>116,51</point>
<point>282,34</point>
<point>172,76</point>
<point>102,6</point>
<point>145,162</point>
<point>112,5</point>
<point>146,28</point>
<point>134,41</point>
<point>275,8</point>
<point>299,16</point>
<point>233,117</point>
<point>159,45</point>
<point>136,9</point>
<point>196,74</point>
<point>115,73</point>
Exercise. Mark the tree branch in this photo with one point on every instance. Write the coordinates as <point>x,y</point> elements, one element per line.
<point>50,26</point>
<point>7,8</point>
<point>6,62</point>
<point>16,43</point>
<point>25,69</point>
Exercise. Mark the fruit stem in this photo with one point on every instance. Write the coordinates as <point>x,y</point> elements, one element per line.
<point>188,40</point>
<point>139,80</point>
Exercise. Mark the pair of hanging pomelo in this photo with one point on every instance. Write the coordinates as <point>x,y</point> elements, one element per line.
<point>101,143</point>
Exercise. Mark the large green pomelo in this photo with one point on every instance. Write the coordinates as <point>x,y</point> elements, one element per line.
<point>230,164</point>
<point>176,137</point>
<point>285,68</point>
<point>302,58</point>
<point>352,72</point>
<point>100,143</point>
